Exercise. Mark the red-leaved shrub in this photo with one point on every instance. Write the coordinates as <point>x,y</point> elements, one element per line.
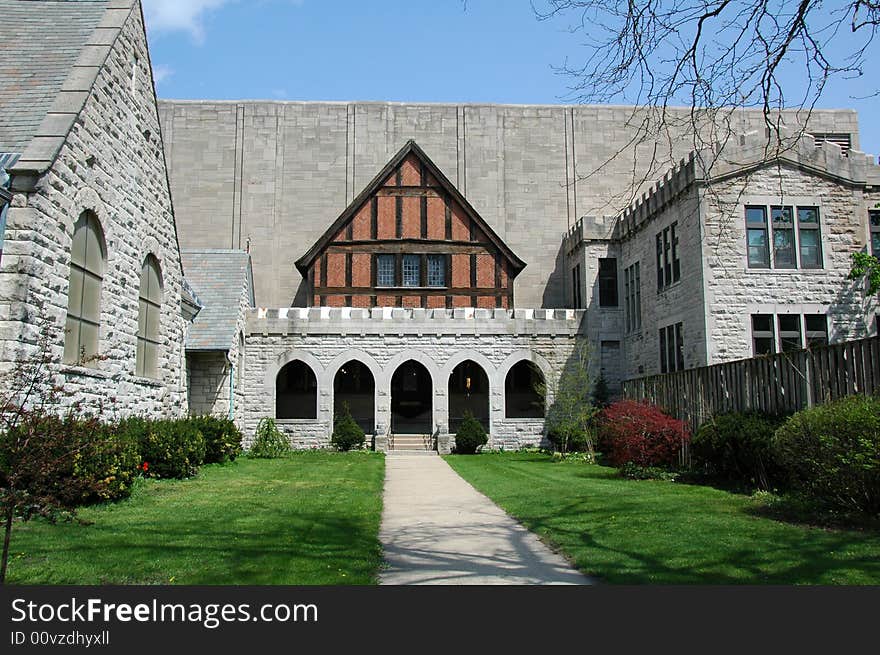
<point>639,433</point>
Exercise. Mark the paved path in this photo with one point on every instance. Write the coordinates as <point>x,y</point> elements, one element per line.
<point>438,529</point>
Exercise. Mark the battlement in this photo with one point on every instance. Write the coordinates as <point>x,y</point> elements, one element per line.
<point>414,321</point>
<point>590,228</point>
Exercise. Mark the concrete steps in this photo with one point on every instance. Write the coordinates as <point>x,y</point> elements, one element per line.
<point>412,443</point>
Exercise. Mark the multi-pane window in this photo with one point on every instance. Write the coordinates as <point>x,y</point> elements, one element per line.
<point>608,282</point>
<point>412,269</point>
<point>783,237</point>
<point>436,270</point>
<point>633,297</point>
<point>793,232</point>
<point>385,271</point>
<point>149,311</point>
<point>809,237</point>
<point>668,263</point>
<point>87,258</point>
<point>672,348</point>
<point>787,332</point>
<point>874,221</point>
<point>763,334</point>
<point>756,237</point>
<point>577,299</point>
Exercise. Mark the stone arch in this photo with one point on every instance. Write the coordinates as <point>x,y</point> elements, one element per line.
<point>515,358</point>
<point>469,391</point>
<point>358,355</point>
<point>285,358</point>
<point>412,390</point>
<point>464,355</point>
<point>296,395</point>
<point>417,355</point>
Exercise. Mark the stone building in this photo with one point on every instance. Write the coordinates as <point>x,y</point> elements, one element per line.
<point>412,262</point>
<point>89,245</point>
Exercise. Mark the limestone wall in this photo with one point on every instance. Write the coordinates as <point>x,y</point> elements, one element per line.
<point>276,174</point>
<point>112,163</point>
<point>384,338</point>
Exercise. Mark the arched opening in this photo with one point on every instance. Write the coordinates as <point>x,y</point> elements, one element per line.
<point>296,391</point>
<point>354,385</point>
<point>149,315</point>
<point>411,399</point>
<point>88,258</point>
<point>524,391</point>
<point>468,392</point>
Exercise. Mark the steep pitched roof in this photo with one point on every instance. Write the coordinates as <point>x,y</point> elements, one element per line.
<point>50,54</point>
<point>411,147</point>
<point>218,278</point>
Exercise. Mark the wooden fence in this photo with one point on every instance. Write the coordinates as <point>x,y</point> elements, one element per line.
<point>777,384</point>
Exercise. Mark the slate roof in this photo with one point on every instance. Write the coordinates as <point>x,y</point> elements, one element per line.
<point>218,278</point>
<point>51,52</point>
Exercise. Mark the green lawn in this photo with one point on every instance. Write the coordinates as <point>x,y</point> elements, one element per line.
<point>634,532</point>
<point>308,519</point>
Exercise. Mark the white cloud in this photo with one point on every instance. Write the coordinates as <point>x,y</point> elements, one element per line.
<point>162,73</point>
<point>180,15</point>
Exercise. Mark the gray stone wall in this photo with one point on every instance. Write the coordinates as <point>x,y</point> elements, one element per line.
<point>208,387</point>
<point>384,338</point>
<point>111,163</point>
<point>276,174</point>
<point>734,291</point>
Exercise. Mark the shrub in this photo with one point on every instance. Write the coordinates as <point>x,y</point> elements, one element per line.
<point>635,472</point>
<point>641,434</point>
<point>568,436</point>
<point>170,448</point>
<point>831,453</point>
<point>222,438</point>
<point>471,435</point>
<point>738,446</point>
<point>269,441</point>
<point>347,434</point>
<point>112,459</point>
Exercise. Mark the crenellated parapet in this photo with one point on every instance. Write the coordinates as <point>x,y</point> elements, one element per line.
<point>403,321</point>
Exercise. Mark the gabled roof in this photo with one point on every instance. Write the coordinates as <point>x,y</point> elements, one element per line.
<point>410,148</point>
<point>50,54</point>
<point>218,278</point>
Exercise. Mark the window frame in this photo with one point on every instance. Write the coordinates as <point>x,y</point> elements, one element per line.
<point>433,258</point>
<point>633,298</point>
<point>778,220</point>
<point>609,283</point>
<point>668,261</point>
<point>380,281</point>
<point>147,366</point>
<point>671,342</point>
<point>85,277</point>
<point>874,231</point>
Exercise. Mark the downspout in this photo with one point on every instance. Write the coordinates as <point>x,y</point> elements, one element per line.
<point>5,197</point>
<point>231,391</point>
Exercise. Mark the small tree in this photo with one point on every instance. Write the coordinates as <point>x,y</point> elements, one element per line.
<point>471,435</point>
<point>865,266</point>
<point>38,456</point>
<point>570,418</point>
<point>347,434</point>
<point>269,441</point>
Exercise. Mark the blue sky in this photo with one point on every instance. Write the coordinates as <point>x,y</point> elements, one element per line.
<point>416,50</point>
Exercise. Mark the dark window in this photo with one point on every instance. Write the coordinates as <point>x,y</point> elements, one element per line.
<point>523,391</point>
<point>783,237</point>
<point>436,270</point>
<point>790,332</point>
<point>672,348</point>
<point>874,221</point>
<point>763,337</point>
<point>809,236</point>
<point>608,282</point>
<point>577,300</point>
<point>756,237</point>
<point>633,298</point>
<point>385,270</point>
<point>816,329</point>
<point>296,392</point>
<point>668,263</point>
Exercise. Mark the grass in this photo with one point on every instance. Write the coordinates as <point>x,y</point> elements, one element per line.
<point>635,532</point>
<point>307,519</point>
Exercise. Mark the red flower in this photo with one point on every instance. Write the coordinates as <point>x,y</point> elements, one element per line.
<point>145,466</point>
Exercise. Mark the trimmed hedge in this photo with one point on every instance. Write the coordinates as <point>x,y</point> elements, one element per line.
<point>831,453</point>
<point>640,434</point>
<point>169,448</point>
<point>222,438</point>
<point>739,447</point>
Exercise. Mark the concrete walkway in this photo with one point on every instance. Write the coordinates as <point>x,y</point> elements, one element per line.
<point>438,529</point>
